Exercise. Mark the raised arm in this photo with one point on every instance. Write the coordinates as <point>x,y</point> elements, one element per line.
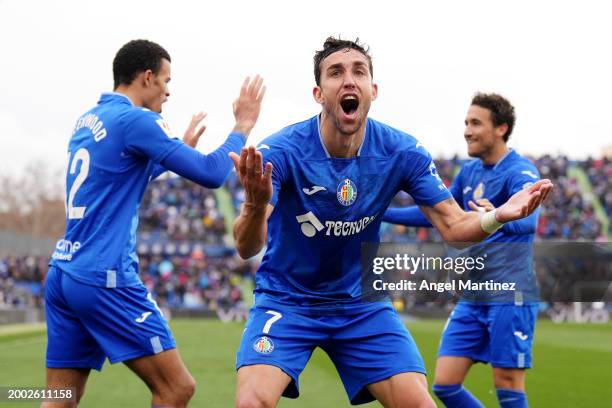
<point>211,170</point>
<point>251,226</point>
<point>457,226</point>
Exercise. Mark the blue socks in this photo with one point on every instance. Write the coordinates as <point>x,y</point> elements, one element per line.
<point>511,398</point>
<point>456,396</point>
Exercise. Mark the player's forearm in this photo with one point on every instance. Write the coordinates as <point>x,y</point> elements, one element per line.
<point>457,227</point>
<point>250,230</point>
<point>207,170</point>
<point>465,229</point>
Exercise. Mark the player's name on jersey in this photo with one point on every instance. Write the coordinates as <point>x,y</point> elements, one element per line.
<point>425,285</point>
<point>93,123</point>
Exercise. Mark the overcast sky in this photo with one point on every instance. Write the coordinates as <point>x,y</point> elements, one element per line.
<point>552,60</point>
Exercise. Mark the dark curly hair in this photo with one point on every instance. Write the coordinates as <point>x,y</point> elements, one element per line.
<point>135,57</point>
<point>501,110</point>
<point>332,45</point>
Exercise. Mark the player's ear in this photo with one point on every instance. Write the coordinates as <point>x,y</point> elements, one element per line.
<point>147,77</point>
<point>317,94</point>
<point>374,91</point>
<point>501,130</point>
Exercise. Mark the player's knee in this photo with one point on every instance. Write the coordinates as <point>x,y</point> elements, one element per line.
<point>178,393</point>
<point>186,389</point>
<point>428,403</point>
<point>511,379</point>
<point>425,401</point>
<point>254,399</point>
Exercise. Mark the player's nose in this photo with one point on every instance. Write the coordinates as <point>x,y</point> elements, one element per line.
<point>349,80</point>
<point>467,133</point>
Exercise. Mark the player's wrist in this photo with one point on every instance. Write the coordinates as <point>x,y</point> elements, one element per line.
<point>251,206</point>
<point>489,222</point>
<point>243,128</point>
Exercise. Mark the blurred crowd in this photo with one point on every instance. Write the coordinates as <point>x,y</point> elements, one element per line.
<point>187,222</point>
<point>567,215</point>
<point>21,281</point>
<point>600,176</point>
<point>177,209</point>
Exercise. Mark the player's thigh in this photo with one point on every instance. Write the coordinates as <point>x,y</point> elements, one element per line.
<point>451,370</point>
<point>125,321</point>
<point>69,344</point>
<point>465,334</point>
<point>370,347</point>
<point>73,379</point>
<point>402,391</point>
<point>511,332</point>
<point>279,338</point>
<point>164,372</point>
<point>260,385</point>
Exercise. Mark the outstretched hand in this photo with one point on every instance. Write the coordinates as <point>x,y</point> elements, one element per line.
<point>192,136</point>
<point>482,205</point>
<point>524,202</point>
<point>248,104</point>
<point>257,183</point>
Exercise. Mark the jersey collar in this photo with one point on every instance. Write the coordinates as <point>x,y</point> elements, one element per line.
<point>115,95</point>
<point>511,152</point>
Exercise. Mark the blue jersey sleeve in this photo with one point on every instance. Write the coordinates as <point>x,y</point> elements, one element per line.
<point>158,170</point>
<point>147,134</point>
<point>207,170</point>
<point>408,216</point>
<point>421,179</point>
<point>523,176</point>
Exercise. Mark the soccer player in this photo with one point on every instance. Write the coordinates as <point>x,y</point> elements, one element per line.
<point>489,327</point>
<point>96,304</point>
<point>326,183</point>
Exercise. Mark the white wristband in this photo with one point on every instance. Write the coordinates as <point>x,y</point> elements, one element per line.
<point>488,223</point>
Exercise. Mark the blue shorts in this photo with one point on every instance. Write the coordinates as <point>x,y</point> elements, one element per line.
<point>500,334</point>
<point>366,346</point>
<point>86,324</point>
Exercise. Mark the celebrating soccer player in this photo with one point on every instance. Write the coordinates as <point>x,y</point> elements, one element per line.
<point>323,190</point>
<point>490,326</point>
<point>96,305</point>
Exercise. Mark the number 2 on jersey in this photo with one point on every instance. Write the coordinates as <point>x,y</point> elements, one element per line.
<point>81,155</point>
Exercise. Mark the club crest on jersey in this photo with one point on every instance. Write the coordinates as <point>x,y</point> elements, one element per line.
<point>479,191</point>
<point>346,192</point>
<point>263,345</point>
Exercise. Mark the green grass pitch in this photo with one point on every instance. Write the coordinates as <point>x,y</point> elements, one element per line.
<point>572,367</point>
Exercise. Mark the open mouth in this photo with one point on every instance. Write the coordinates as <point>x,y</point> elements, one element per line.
<point>349,104</point>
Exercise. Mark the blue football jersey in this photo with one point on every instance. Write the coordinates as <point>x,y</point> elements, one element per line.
<point>509,255</point>
<point>325,207</point>
<point>112,154</point>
